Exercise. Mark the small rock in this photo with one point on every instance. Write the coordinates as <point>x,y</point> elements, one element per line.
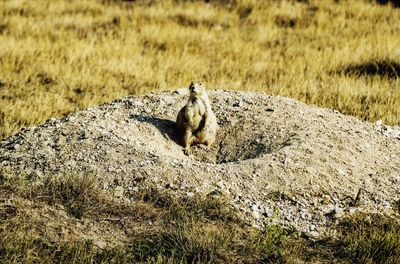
<point>190,194</point>
<point>338,212</point>
<point>328,208</point>
<point>366,146</point>
<point>119,191</point>
<point>254,207</point>
<point>255,212</point>
<point>238,103</point>
<point>353,210</point>
<point>341,172</point>
<point>256,215</point>
<point>220,184</point>
<point>311,235</point>
<point>39,173</point>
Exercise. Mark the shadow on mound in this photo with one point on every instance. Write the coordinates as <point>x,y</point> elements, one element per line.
<point>394,3</point>
<point>165,126</point>
<point>383,68</point>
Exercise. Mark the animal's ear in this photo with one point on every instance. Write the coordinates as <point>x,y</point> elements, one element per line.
<point>191,85</point>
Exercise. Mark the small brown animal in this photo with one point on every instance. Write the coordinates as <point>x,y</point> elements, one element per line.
<point>196,120</point>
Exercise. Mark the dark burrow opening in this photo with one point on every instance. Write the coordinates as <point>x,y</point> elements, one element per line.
<point>243,141</point>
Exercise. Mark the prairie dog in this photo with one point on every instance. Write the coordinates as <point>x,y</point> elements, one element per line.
<point>196,120</point>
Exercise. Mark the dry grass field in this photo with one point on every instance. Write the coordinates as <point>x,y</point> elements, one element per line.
<point>58,56</point>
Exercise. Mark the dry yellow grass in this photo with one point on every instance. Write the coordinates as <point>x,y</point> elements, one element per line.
<point>58,56</point>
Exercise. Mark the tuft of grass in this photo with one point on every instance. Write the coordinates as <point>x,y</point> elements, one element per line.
<point>28,249</point>
<point>58,56</point>
<point>18,247</point>
<point>360,238</point>
<point>78,193</point>
<point>370,239</point>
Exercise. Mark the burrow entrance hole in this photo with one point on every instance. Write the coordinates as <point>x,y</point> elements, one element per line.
<point>243,141</point>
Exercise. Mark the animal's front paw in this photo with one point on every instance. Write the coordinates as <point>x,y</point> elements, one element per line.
<point>208,144</point>
<point>186,151</point>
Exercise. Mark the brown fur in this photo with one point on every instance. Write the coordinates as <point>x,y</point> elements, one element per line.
<point>196,120</point>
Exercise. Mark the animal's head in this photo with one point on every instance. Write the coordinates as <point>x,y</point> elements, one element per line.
<point>197,88</point>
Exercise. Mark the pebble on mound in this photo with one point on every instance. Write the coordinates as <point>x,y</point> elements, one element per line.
<point>279,160</point>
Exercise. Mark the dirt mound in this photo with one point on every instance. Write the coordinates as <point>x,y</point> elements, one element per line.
<point>279,160</point>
